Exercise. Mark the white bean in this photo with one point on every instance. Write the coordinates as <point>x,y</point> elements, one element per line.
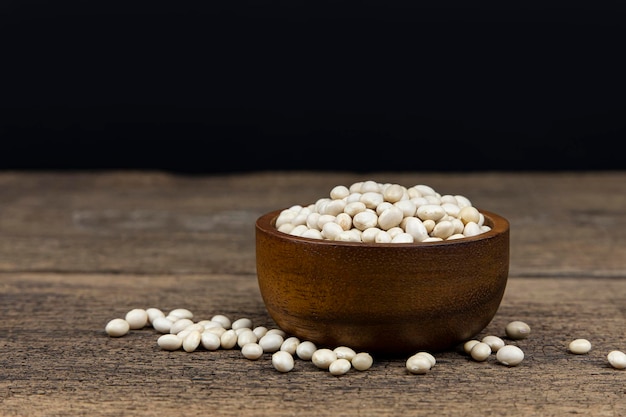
<point>334,207</point>
<point>517,330</point>
<point>137,318</point>
<point>169,342</point>
<point>429,356</point>
<point>443,229</point>
<point>305,350</point>
<point>117,328</point>
<point>192,341</point>
<point>510,355</point>
<point>322,358</point>
<point>282,361</point>
<point>180,325</point>
<point>271,342</point>
<point>290,344</point>
<point>369,234</point>
<point>228,339</point>
<point>494,342</point>
<point>344,352</point>
<point>260,331</point>
<point>331,230</point>
<point>181,313</point>
<point>153,313</point>
<point>471,229</point>
<point>252,351</point>
<point>162,324</point>
<point>382,237</point>
<point>579,346</point>
<point>469,214</point>
<point>418,364</point>
<point>480,351</point>
<point>278,331</point>
<point>246,336</point>
<point>340,366</point>
<point>241,323</point>
<point>402,238</point>
<point>210,340</point>
<point>467,346</point>
<point>362,361</point>
<point>451,209</point>
<point>617,359</point>
<point>408,207</point>
<point>371,199</point>
<point>351,209</point>
<point>223,320</point>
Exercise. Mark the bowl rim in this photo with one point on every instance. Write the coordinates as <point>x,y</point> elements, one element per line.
<point>499,225</point>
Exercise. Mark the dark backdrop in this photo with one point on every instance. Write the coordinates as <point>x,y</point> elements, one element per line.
<point>233,86</point>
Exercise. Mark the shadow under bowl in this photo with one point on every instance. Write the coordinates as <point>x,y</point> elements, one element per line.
<point>384,298</point>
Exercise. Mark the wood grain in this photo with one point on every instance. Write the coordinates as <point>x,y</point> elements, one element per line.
<point>80,248</point>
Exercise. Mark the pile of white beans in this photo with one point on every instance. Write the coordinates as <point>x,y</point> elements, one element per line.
<point>373,212</point>
<point>179,331</point>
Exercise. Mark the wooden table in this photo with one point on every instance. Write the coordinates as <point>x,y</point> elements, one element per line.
<point>80,248</point>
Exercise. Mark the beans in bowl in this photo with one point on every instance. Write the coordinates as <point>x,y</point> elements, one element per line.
<point>373,212</point>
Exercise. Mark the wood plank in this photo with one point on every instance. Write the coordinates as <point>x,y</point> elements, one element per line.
<point>57,360</point>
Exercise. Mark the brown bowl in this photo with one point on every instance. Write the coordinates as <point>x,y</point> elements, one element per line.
<point>389,298</point>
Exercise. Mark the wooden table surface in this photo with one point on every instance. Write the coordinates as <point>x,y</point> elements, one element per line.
<point>78,249</point>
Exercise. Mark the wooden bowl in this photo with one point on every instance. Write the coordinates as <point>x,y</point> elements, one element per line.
<point>389,298</point>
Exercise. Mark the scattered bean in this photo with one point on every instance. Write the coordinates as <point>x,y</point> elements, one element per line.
<point>322,358</point>
<point>290,344</point>
<point>617,359</point>
<point>162,324</point>
<point>510,355</point>
<point>228,339</point>
<point>418,364</point>
<point>245,337</point>
<point>153,313</point>
<point>181,313</point>
<point>169,342</point>
<point>305,350</point>
<point>340,366</point>
<point>467,346</point>
<point>517,330</point>
<point>137,318</point>
<point>210,340</point>
<point>260,331</point>
<point>579,346</point>
<point>494,342</point>
<point>252,351</point>
<point>429,356</point>
<point>362,361</point>
<point>117,328</point>
<point>241,323</point>
<point>282,361</point>
<point>223,320</point>
<point>192,341</point>
<point>480,351</point>
<point>271,342</point>
<point>180,325</point>
<point>344,352</point>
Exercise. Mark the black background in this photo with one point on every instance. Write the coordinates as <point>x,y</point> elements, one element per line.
<point>204,87</point>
